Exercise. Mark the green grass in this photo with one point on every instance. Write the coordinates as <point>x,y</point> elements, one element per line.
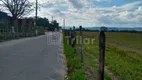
<point>75,67</point>
<point>131,40</point>
<point>127,65</point>
<point>107,76</point>
<point>92,57</point>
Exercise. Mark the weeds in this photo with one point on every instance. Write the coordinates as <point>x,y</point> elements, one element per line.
<point>75,67</point>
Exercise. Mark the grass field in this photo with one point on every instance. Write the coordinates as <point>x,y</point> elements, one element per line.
<point>123,60</point>
<point>131,40</point>
<point>120,64</point>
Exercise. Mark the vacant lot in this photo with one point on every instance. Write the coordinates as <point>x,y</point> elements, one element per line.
<point>122,59</point>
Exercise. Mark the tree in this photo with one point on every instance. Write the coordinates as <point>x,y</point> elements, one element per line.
<point>56,25</point>
<point>44,22</point>
<point>17,8</point>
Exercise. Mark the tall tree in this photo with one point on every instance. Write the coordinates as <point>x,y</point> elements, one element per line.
<point>17,8</point>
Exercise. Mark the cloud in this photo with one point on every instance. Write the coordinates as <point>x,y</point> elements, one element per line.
<point>76,3</point>
<point>103,0</point>
<point>130,6</point>
<point>119,15</point>
<point>79,12</point>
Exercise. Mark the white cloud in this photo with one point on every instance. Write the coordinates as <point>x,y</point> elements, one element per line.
<point>103,0</point>
<point>79,12</point>
<point>76,3</point>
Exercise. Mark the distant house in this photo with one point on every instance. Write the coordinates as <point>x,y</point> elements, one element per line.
<point>103,28</point>
<point>3,17</point>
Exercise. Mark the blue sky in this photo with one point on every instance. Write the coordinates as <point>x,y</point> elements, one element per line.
<point>91,13</point>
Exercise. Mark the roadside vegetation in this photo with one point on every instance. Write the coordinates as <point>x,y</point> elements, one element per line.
<point>74,65</point>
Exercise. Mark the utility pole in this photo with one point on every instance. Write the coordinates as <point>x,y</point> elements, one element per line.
<point>64,23</point>
<point>36,17</point>
<point>52,18</point>
<point>36,9</point>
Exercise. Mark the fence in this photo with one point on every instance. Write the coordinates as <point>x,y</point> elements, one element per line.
<point>22,28</point>
<point>72,40</point>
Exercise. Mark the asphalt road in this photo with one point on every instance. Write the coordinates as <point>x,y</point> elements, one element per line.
<point>36,58</point>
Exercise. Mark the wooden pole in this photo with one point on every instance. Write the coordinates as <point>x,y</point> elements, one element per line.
<point>70,33</point>
<point>101,55</point>
<point>36,10</point>
<point>81,44</point>
<point>36,17</point>
<point>74,39</point>
<point>65,33</point>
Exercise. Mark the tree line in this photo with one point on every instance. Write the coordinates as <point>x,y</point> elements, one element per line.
<point>20,8</point>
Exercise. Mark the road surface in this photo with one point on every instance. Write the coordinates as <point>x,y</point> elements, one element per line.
<point>36,58</point>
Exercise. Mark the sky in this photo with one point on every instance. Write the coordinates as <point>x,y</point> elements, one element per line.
<point>93,13</point>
